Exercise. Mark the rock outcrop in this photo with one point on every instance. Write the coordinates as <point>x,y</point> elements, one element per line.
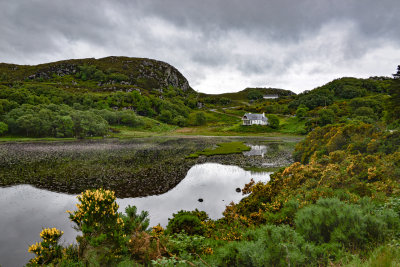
<point>140,72</point>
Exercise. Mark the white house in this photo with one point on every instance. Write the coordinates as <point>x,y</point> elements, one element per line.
<point>258,150</point>
<point>271,96</point>
<point>254,119</point>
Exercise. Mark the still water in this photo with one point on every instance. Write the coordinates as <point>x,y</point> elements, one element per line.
<point>25,210</point>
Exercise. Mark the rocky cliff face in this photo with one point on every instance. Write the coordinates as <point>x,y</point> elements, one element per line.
<point>140,72</point>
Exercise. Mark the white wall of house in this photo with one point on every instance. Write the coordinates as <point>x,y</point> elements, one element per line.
<point>258,121</point>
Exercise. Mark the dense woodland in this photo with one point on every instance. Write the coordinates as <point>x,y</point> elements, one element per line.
<point>338,204</point>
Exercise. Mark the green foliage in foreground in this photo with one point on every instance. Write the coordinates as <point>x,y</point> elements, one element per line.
<point>190,222</point>
<point>268,245</point>
<point>351,226</point>
<point>324,232</point>
<point>222,149</point>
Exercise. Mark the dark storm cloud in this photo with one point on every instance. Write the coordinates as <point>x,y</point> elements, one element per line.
<point>34,26</point>
<point>217,44</point>
<point>283,18</point>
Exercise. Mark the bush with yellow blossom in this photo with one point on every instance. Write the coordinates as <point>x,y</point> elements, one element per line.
<point>48,249</point>
<point>102,228</point>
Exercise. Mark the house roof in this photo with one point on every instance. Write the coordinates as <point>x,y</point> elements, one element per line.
<point>251,116</point>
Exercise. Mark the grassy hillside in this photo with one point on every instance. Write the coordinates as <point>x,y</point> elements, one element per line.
<point>137,72</point>
<point>92,97</point>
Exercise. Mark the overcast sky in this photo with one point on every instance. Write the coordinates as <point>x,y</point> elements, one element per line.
<point>218,45</point>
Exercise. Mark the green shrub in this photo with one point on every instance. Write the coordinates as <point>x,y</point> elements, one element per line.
<point>326,116</point>
<point>101,226</point>
<point>180,121</point>
<point>187,221</point>
<point>165,116</point>
<point>269,245</point>
<point>284,215</point>
<point>48,250</point>
<point>382,256</point>
<point>182,244</point>
<point>200,118</point>
<point>301,112</point>
<point>128,118</point>
<point>273,121</point>
<point>355,227</point>
<point>118,77</point>
<point>3,128</point>
<point>254,95</point>
<point>134,222</point>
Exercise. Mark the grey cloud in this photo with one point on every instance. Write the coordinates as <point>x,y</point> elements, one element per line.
<point>33,26</point>
<point>257,39</point>
<point>284,18</point>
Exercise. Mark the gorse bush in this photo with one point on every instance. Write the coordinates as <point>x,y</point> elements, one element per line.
<point>269,245</point>
<point>355,227</point>
<point>189,222</point>
<point>48,250</point>
<point>102,228</point>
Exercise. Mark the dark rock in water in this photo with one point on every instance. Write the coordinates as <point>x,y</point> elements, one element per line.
<point>238,190</point>
<point>200,200</point>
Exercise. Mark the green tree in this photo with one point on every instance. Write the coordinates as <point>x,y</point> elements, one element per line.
<point>397,74</point>
<point>63,126</point>
<point>180,121</point>
<point>301,112</point>
<point>128,117</point>
<point>165,116</point>
<point>3,128</point>
<point>86,72</point>
<point>118,77</point>
<point>99,76</point>
<point>326,116</point>
<point>110,116</point>
<point>87,123</point>
<point>3,77</point>
<point>254,95</point>
<point>393,104</point>
<point>365,111</point>
<point>6,106</point>
<point>143,107</point>
<point>200,118</point>
<point>273,121</point>
<point>29,124</point>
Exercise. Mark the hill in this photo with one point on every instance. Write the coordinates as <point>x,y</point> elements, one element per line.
<point>120,72</point>
<point>244,94</point>
<point>84,97</point>
<point>247,94</point>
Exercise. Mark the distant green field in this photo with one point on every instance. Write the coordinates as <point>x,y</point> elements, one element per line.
<point>292,125</point>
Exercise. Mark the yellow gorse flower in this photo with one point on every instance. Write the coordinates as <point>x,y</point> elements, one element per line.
<point>47,247</point>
